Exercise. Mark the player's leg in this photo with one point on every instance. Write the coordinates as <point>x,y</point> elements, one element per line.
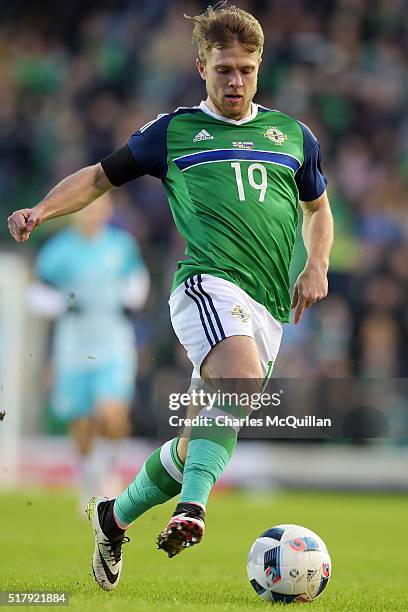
<point>84,433</point>
<point>113,388</point>
<point>72,403</point>
<point>161,474</point>
<point>221,328</point>
<point>113,426</point>
<point>113,417</point>
<point>112,391</point>
<point>234,365</point>
<point>158,481</point>
<point>182,446</point>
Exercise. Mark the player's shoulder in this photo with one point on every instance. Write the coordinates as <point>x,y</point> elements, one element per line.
<point>162,120</point>
<point>269,113</point>
<point>309,138</point>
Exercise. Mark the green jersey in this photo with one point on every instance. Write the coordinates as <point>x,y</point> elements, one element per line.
<point>233,188</point>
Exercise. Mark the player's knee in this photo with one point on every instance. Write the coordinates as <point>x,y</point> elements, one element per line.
<point>84,446</point>
<point>83,433</point>
<point>240,377</point>
<point>244,371</point>
<point>236,367</point>
<point>236,358</point>
<point>113,420</point>
<point>116,428</point>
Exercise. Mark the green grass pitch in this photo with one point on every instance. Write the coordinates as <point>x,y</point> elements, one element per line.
<point>45,545</point>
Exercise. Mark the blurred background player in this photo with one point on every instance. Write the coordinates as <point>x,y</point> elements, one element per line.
<point>91,275</point>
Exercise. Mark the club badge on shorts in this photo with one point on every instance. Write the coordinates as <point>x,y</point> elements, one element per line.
<point>275,135</point>
<point>240,312</point>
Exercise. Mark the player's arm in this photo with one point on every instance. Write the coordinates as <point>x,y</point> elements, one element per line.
<point>145,153</point>
<point>70,195</point>
<point>317,231</point>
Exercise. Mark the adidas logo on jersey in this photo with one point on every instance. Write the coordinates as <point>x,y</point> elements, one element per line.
<point>202,135</point>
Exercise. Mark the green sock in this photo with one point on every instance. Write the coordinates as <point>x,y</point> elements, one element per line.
<point>209,450</point>
<point>158,481</point>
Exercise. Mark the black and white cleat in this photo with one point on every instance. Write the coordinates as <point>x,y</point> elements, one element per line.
<point>107,556</point>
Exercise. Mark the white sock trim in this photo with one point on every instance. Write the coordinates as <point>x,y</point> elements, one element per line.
<point>168,463</point>
<point>118,522</point>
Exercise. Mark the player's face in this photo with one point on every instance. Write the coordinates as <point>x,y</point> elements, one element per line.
<point>231,76</point>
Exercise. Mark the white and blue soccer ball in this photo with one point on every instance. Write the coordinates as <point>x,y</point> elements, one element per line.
<point>289,563</point>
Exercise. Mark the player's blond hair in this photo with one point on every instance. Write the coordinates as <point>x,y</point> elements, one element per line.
<point>222,25</point>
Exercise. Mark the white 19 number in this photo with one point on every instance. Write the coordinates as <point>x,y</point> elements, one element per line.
<point>261,187</point>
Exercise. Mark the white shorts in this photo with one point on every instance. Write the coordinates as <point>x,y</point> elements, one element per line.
<point>206,309</point>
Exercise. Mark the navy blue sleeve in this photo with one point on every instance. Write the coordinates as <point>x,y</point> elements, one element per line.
<point>148,147</point>
<point>310,180</point>
<point>144,153</point>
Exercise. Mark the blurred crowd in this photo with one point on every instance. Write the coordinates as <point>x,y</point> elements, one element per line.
<point>77,78</point>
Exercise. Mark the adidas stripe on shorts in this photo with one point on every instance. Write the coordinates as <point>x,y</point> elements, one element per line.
<point>205,309</point>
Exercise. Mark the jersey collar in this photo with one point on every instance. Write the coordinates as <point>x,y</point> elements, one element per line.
<point>254,111</point>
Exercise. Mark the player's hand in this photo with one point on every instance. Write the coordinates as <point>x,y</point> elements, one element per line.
<point>22,222</point>
<point>310,287</point>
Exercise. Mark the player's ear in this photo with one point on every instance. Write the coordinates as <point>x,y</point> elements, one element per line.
<point>201,68</point>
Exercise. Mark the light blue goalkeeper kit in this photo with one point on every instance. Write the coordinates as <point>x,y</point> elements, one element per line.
<point>94,346</point>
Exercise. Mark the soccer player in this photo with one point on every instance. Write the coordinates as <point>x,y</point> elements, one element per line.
<point>91,274</point>
<point>234,173</point>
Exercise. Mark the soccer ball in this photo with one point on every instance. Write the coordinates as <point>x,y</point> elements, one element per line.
<point>289,563</point>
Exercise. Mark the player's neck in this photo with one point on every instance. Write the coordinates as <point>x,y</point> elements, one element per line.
<point>208,102</point>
